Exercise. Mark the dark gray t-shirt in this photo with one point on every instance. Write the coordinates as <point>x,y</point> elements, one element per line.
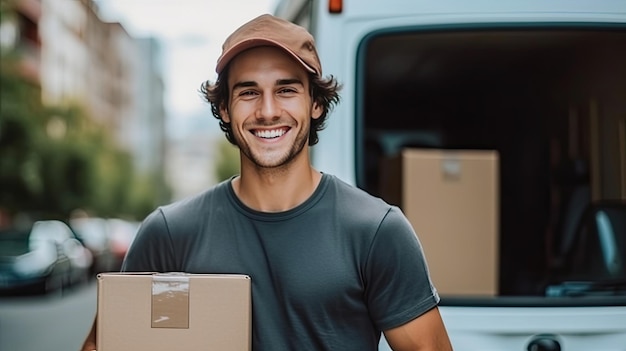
<point>330,274</point>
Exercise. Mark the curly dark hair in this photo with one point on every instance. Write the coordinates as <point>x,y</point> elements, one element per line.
<point>324,91</point>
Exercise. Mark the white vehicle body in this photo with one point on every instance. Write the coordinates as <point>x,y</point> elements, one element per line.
<point>508,321</point>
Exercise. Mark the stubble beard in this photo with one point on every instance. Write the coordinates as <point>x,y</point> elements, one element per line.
<point>274,163</point>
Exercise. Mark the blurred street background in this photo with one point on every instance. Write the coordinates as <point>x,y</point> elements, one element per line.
<point>101,121</point>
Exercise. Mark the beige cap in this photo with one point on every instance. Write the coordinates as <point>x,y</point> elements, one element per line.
<point>268,30</point>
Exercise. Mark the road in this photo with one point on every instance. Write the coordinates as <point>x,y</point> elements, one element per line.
<point>55,322</point>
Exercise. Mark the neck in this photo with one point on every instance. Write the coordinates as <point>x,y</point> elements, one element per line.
<point>276,189</point>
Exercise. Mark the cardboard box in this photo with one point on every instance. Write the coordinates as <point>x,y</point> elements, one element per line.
<point>451,198</point>
<point>173,311</point>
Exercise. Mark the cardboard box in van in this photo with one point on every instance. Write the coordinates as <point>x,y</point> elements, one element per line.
<point>451,199</point>
<point>173,311</point>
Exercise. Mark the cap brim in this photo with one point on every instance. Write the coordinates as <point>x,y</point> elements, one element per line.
<point>250,43</point>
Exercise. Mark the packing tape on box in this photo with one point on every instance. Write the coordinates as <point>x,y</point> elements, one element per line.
<point>451,167</point>
<point>170,301</point>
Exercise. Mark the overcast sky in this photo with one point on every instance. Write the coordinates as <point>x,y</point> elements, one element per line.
<point>191,33</point>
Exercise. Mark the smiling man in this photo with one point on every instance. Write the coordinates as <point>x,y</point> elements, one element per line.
<point>331,266</point>
<point>270,108</point>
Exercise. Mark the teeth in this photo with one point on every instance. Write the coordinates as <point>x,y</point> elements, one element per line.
<point>269,134</point>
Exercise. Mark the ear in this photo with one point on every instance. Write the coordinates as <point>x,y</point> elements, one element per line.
<point>316,110</point>
<point>224,114</point>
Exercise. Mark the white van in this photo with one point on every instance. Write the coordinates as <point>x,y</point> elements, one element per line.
<point>499,126</point>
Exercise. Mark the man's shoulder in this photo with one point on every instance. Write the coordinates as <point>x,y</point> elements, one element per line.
<point>357,203</point>
<point>351,193</point>
<point>361,212</point>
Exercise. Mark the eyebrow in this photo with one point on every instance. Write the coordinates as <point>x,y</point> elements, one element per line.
<point>247,84</point>
<point>289,81</point>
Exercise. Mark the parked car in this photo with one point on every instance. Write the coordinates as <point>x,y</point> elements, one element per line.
<point>68,244</point>
<point>41,258</point>
<point>94,233</point>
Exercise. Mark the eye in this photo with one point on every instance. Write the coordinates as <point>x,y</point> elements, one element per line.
<point>247,93</point>
<point>287,90</point>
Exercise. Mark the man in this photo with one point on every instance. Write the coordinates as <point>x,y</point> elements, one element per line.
<point>331,266</point>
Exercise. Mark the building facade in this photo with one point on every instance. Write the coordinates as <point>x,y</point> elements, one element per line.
<point>79,59</point>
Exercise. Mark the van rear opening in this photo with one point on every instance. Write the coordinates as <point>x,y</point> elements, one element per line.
<point>549,100</point>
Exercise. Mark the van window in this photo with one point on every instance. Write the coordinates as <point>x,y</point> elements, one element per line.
<point>551,102</point>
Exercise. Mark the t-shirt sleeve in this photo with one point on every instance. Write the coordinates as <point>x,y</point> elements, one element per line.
<point>398,287</point>
<point>152,249</point>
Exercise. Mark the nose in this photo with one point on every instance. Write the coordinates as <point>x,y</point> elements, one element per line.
<point>270,107</point>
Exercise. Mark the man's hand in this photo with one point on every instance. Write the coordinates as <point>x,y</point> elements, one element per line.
<point>90,341</point>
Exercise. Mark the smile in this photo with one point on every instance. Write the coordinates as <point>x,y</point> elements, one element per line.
<point>270,134</point>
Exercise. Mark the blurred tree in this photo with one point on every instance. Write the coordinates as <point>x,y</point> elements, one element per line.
<point>21,121</point>
<point>54,160</point>
<point>227,160</point>
<point>68,154</point>
<point>91,172</point>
